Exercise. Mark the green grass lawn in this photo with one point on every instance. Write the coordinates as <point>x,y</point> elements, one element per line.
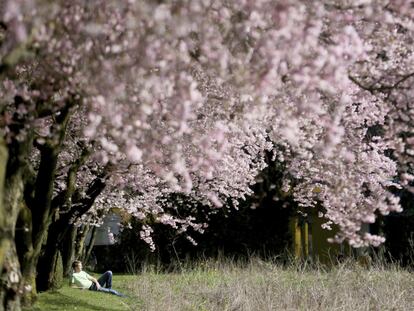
<point>68,299</point>
<point>259,286</point>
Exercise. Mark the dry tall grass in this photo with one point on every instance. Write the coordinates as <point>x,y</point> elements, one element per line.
<point>264,286</point>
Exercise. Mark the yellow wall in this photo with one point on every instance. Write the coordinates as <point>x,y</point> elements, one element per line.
<point>310,240</point>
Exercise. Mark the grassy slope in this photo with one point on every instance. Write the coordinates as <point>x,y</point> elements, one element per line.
<point>68,299</point>
<point>259,286</point>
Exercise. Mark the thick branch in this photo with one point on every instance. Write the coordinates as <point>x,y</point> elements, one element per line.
<point>62,200</point>
<point>45,180</point>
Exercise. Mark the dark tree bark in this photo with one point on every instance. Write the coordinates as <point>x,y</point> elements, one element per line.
<point>13,162</point>
<point>34,200</point>
<point>5,235</point>
<point>23,239</point>
<point>11,280</point>
<point>10,277</point>
<point>80,242</point>
<point>57,235</point>
<point>88,249</point>
<point>13,170</point>
<point>42,202</point>
<point>68,250</point>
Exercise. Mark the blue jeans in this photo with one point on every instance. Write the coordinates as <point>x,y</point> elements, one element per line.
<point>106,284</point>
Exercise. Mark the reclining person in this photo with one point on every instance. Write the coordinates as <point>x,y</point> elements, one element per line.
<point>81,279</point>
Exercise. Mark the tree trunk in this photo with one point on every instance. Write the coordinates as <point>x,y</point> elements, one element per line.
<point>13,170</point>
<point>57,239</point>
<point>5,236</point>
<point>68,250</point>
<point>88,250</point>
<point>41,204</point>
<point>83,205</point>
<point>46,268</point>
<point>11,279</point>
<point>43,198</point>
<point>80,242</point>
<point>69,243</point>
<point>10,276</point>
<point>17,170</point>
<point>50,268</point>
<point>24,246</point>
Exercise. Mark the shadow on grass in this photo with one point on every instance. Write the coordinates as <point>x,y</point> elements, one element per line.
<point>59,301</point>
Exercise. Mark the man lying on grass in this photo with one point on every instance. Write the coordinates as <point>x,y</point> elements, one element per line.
<point>81,279</point>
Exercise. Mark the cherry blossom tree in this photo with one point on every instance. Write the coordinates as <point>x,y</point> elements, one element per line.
<point>186,97</point>
<point>61,53</point>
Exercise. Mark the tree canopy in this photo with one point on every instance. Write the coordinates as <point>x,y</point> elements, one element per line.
<point>125,103</point>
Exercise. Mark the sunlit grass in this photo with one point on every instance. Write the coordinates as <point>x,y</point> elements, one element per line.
<point>217,286</point>
<point>69,299</point>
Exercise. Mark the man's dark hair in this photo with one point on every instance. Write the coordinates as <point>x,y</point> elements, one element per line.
<point>75,264</point>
